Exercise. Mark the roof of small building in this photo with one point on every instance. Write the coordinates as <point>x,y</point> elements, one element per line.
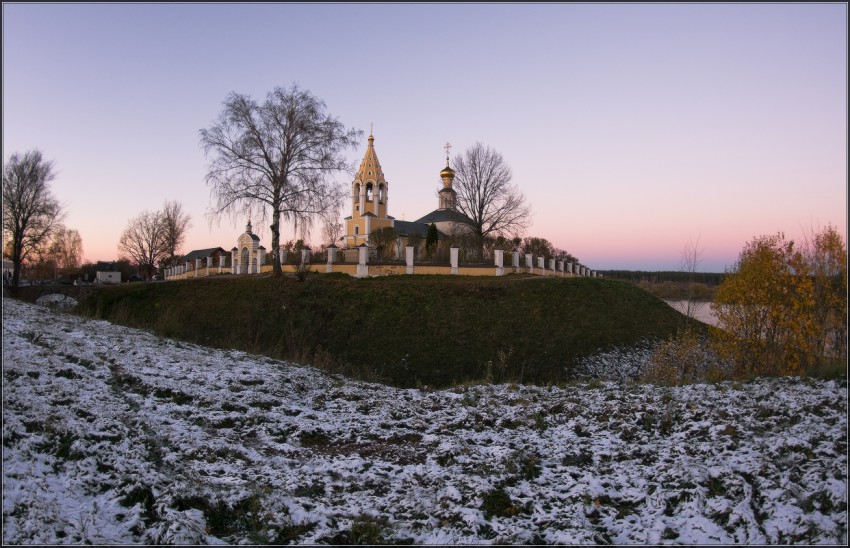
<point>443,215</point>
<point>410,228</point>
<point>202,253</point>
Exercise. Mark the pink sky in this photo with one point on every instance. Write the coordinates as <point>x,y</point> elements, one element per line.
<point>631,129</point>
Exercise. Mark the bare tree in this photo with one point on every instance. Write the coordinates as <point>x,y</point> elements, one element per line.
<point>175,224</point>
<point>485,193</point>
<point>276,158</point>
<point>331,227</point>
<point>691,257</point>
<point>539,247</point>
<point>143,242</point>
<point>66,249</point>
<point>30,211</point>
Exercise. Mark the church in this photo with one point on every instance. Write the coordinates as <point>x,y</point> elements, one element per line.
<point>370,206</point>
<point>370,213</point>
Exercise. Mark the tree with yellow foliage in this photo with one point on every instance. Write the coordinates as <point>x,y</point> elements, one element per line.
<point>782,309</point>
<point>825,254</point>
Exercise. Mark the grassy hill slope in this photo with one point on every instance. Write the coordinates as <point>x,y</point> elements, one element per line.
<point>401,330</point>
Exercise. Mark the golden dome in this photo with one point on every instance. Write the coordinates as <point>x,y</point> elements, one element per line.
<point>447,171</point>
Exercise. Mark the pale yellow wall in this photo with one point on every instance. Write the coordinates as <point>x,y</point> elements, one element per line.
<point>291,268</point>
<point>387,270</point>
<point>476,271</point>
<point>432,269</point>
<point>350,239</point>
<point>350,269</point>
<point>376,270</point>
<point>202,273</point>
<point>353,241</point>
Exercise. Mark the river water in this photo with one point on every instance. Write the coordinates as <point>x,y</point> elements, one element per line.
<point>703,311</point>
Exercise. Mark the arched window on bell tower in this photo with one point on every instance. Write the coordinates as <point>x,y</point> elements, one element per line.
<point>355,197</point>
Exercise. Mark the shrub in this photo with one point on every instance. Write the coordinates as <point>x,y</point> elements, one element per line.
<point>783,310</point>
<point>683,358</point>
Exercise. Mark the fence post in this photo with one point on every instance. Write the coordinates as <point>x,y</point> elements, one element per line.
<point>331,257</point>
<point>529,262</point>
<point>454,258</point>
<point>408,256</point>
<point>362,255</point>
<point>515,261</point>
<point>500,261</point>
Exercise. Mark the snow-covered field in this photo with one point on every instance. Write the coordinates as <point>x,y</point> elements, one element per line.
<point>115,435</point>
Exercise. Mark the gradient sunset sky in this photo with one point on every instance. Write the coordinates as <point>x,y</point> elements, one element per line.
<point>632,129</point>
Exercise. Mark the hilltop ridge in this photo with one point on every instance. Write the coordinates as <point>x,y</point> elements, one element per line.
<point>404,331</point>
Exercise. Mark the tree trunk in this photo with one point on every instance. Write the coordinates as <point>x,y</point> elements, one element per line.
<point>277,271</point>
<point>479,234</point>
<point>16,264</point>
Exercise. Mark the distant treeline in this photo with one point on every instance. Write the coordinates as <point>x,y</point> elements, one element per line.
<point>637,276</point>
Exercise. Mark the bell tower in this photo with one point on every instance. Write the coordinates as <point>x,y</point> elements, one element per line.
<point>369,198</point>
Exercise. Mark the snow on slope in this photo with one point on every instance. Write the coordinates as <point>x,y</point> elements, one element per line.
<point>115,435</point>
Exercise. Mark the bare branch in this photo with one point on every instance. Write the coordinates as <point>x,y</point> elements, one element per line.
<point>175,223</point>
<point>143,242</point>
<point>485,193</point>
<point>275,159</point>
<point>30,211</point>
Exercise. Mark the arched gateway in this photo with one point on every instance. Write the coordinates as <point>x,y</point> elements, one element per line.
<point>248,255</point>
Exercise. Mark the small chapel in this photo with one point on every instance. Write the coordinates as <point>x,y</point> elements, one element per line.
<point>370,210</point>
